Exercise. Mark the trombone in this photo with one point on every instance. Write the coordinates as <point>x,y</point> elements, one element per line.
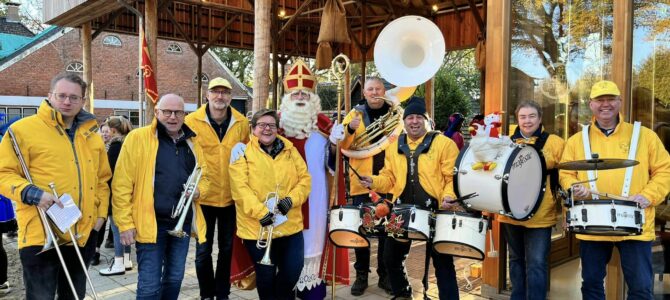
<point>185,202</point>
<point>52,186</point>
<point>265,233</point>
<point>50,237</point>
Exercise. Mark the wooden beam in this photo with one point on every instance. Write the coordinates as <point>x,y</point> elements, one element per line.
<point>404,9</point>
<point>262,17</point>
<point>217,6</point>
<point>216,36</point>
<point>109,21</point>
<point>478,17</point>
<point>293,18</point>
<point>86,57</point>
<point>181,31</point>
<point>622,53</point>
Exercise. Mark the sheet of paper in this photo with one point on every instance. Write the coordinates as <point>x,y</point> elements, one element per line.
<point>64,217</point>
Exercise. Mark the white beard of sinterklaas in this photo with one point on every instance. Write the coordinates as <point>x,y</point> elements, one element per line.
<point>298,122</point>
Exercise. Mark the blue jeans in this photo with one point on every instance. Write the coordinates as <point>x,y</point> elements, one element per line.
<point>287,255</point>
<point>161,265</point>
<point>362,264</point>
<point>216,284</point>
<point>635,263</point>
<point>44,277</point>
<point>528,256</point>
<point>118,248</point>
<point>445,272</point>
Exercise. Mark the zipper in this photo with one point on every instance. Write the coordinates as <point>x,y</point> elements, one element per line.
<point>76,163</point>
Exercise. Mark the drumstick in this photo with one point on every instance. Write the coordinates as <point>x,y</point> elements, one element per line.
<point>608,195</point>
<point>373,195</point>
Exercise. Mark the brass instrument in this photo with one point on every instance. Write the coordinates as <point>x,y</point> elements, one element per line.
<point>50,237</point>
<point>185,202</point>
<point>52,186</point>
<point>408,52</point>
<point>265,233</point>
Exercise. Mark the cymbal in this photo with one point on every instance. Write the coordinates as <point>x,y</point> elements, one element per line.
<point>597,164</point>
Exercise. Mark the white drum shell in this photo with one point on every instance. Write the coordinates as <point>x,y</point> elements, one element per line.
<point>599,218</point>
<point>344,228</point>
<point>466,240</point>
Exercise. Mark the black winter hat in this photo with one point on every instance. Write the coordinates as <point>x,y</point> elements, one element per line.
<point>415,106</point>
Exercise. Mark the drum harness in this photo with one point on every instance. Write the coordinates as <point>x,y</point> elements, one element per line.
<point>592,175</point>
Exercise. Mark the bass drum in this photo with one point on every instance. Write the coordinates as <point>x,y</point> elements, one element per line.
<point>514,188</point>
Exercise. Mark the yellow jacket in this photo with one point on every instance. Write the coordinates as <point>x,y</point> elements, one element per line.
<point>217,153</point>
<point>362,166</point>
<point>651,178</point>
<point>255,175</point>
<point>436,169</point>
<point>133,186</point>
<point>48,153</point>
<point>546,214</point>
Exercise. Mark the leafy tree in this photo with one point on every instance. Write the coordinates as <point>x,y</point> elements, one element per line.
<point>655,73</point>
<point>240,62</point>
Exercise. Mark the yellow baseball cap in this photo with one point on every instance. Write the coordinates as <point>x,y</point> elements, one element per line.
<point>218,81</point>
<point>604,87</point>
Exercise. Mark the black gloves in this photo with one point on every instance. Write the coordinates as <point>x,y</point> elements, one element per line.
<point>285,205</point>
<point>267,220</point>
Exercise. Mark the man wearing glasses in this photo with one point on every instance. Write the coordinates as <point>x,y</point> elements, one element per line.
<point>218,127</point>
<point>59,145</point>
<point>154,164</point>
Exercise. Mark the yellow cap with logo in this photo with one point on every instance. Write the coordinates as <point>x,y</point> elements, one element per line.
<point>604,87</point>
<point>218,81</point>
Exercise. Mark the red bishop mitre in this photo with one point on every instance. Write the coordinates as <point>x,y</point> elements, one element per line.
<point>299,77</point>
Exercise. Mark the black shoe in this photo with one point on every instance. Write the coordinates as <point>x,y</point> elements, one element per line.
<point>385,284</point>
<point>361,283</point>
<point>109,244</point>
<point>96,259</point>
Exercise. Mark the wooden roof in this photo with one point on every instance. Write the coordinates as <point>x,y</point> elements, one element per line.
<point>230,23</point>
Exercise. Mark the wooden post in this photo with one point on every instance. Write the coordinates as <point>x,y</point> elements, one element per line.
<point>622,53</point>
<point>262,24</point>
<point>86,57</point>
<point>430,97</point>
<point>347,90</point>
<point>151,34</point>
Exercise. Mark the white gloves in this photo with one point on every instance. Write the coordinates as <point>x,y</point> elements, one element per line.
<point>336,133</point>
<point>237,152</point>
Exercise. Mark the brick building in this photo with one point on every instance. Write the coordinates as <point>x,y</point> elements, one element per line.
<point>25,71</point>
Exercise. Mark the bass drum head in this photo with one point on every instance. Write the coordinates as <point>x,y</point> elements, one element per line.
<point>458,249</point>
<point>525,185</point>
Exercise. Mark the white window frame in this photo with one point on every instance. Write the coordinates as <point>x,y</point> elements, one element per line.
<point>174,48</point>
<point>112,41</point>
<point>75,66</point>
<point>205,78</point>
<point>132,114</point>
<point>24,111</point>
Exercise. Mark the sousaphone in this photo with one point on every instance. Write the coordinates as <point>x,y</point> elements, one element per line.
<point>408,52</point>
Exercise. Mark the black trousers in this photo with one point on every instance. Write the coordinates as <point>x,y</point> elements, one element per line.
<point>211,283</point>
<point>44,277</point>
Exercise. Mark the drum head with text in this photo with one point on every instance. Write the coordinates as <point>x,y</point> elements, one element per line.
<point>525,183</point>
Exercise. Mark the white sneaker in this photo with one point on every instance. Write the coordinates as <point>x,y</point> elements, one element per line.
<point>4,288</point>
<point>127,262</point>
<point>116,268</point>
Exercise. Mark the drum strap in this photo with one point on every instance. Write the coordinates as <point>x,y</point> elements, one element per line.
<point>413,192</point>
<point>587,153</point>
<point>631,155</point>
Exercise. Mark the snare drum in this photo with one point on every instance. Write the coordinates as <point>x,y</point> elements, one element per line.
<point>460,234</point>
<point>345,221</point>
<point>605,217</point>
<point>514,188</point>
<point>408,222</point>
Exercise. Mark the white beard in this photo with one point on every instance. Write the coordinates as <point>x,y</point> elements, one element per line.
<point>299,121</point>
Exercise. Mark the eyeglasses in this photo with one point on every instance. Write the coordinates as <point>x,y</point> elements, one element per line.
<point>62,96</point>
<point>220,92</point>
<point>272,126</point>
<point>169,113</point>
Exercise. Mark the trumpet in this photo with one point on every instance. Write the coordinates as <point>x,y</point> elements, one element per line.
<point>50,238</point>
<point>185,201</point>
<point>265,233</point>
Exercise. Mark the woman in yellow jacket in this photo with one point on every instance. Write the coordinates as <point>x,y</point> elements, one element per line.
<point>529,241</point>
<point>271,163</point>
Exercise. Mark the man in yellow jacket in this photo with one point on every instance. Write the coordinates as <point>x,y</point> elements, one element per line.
<point>529,241</point>
<point>59,144</point>
<point>354,125</point>
<point>418,169</point>
<point>154,165</point>
<point>271,164</point>
<point>218,127</point>
<point>610,136</point>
